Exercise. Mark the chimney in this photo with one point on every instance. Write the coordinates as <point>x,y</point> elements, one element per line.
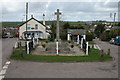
<point>44,19</point>
<point>31,16</point>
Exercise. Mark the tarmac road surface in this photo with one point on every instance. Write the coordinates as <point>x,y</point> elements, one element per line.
<point>29,69</point>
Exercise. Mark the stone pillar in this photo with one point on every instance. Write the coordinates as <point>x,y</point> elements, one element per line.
<point>78,39</point>
<point>68,37</point>
<point>81,43</point>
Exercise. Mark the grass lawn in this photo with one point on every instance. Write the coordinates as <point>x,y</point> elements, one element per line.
<point>94,55</point>
<point>91,42</point>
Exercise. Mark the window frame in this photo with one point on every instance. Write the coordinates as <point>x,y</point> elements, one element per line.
<point>28,26</point>
<point>36,26</point>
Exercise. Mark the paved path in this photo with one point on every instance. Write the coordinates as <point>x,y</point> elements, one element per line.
<point>78,51</point>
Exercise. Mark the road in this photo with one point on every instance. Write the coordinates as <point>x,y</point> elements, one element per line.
<point>28,69</point>
<point>0,54</point>
<point>7,47</point>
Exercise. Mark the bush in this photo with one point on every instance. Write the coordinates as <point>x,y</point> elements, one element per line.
<point>44,45</point>
<point>107,35</point>
<point>72,46</point>
<point>69,41</point>
<point>15,35</point>
<point>114,32</point>
<point>46,41</point>
<point>89,36</point>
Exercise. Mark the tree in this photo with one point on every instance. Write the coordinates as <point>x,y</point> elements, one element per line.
<point>63,32</point>
<point>89,36</point>
<point>66,25</point>
<point>99,29</point>
<point>53,29</point>
<point>114,32</point>
<point>119,24</point>
<point>105,36</point>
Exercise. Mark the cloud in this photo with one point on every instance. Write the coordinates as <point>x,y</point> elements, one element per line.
<point>72,11</point>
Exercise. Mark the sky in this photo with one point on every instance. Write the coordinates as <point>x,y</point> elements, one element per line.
<point>90,10</point>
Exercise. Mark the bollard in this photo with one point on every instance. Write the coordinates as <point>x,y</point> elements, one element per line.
<point>33,43</point>
<point>92,45</point>
<point>13,50</point>
<point>37,41</point>
<point>21,53</point>
<point>57,47</point>
<point>108,52</point>
<point>78,39</point>
<point>27,47</point>
<point>81,43</point>
<point>87,48</point>
<point>101,53</point>
<point>20,43</point>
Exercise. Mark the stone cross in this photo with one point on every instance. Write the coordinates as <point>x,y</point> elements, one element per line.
<point>57,27</point>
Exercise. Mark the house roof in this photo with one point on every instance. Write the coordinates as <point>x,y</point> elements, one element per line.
<point>29,20</point>
<point>76,31</point>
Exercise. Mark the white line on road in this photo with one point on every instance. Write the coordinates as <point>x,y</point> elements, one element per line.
<point>98,47</point>
<point>5,66</point>
<point>4,69</point>
<point>95,46</point>
<point>3,72</point>
<point>7,63</point>
<point>1,77</point>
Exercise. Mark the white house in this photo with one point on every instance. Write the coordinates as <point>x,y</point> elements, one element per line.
<point>34,29</point>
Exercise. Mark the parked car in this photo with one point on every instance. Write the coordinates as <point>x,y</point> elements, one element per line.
<point>10,36</point>
<point>117,40</point>
<point>5,36</point>
<point>112,41</point>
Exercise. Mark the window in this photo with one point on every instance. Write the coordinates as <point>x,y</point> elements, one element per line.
<point>28,26</point>
<point>36,26</point>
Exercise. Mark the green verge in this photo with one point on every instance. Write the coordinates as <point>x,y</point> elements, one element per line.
<point>94,55</point>
<point>91,42</point>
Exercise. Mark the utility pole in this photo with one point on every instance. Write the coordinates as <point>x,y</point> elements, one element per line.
<point>26,43</point>
<point>26,19</point>
<point>114,19</point>
<point>119,11</point>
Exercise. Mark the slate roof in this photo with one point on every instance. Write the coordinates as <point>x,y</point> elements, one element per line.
<point>31,19</point>
<point>76,31</point>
